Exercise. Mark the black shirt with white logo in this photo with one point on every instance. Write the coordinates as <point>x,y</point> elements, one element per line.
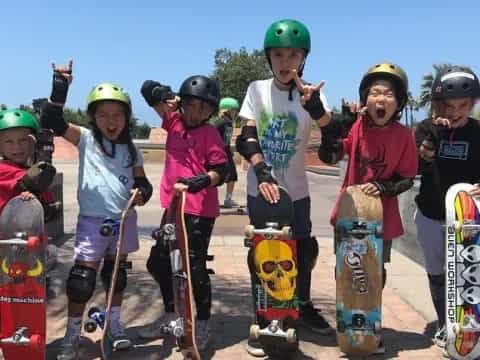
<point>457,160</point>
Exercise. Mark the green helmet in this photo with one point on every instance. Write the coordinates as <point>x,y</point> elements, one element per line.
<point>387,71</point>
<point>287,33</point>
<point>15,118</point>
<point>229,103</point>
<point>108,91</point>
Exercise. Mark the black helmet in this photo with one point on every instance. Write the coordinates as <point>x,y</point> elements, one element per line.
<point>201,87</point>
<point>455,82</point>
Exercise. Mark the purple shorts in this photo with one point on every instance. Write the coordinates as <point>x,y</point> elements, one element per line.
<point>90,245</point>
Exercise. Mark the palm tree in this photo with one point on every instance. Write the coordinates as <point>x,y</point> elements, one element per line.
<point>426,86</point>
<point>410,107</point>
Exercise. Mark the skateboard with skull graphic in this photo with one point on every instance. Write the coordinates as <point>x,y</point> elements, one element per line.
<point>22,280</point>
<point>462,241</point>
<point>273,256</point>
<point>174,233</point>
<point>358,271</point>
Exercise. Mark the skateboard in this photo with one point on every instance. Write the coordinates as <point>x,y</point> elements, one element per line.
<point>173,232</point>
<point>22,280</point>
<point>462,241</point>
<point>273,256</point>
<point>105,343</point>
<point>359,271</point>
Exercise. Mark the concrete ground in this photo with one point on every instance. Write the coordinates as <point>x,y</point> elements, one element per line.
<point>407,310</point>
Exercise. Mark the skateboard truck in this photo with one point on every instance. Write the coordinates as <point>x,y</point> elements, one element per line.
<point>109,227</point>
<point>468,227</point>
<point>270,232</point>
<point>174,327</point>
<point>273,329</point>
<point>20,338</point>
<point>21,239</point>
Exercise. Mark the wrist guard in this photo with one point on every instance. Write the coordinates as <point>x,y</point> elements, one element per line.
<point>263,173</point>
<point>314,106</point>
<point>196,183</point>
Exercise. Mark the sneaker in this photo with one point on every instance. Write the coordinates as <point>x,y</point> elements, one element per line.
<point>380,349</point>
<point>69,348</point>
<point>155,329</point>
<point>311,318</point>
<point>118,337</point>
<point>254,348</point>
<point>229,203</point>
<point>202,334</point>
<point>440,337</point>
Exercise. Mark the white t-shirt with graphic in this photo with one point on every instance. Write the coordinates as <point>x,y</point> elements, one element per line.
<point>283,128</point>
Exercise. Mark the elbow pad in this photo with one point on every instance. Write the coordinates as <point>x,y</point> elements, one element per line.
<point>221,170</point>
<point>396,185</point>
<point>52,118</point>
<point>247,142</point>
<point>145,188</point>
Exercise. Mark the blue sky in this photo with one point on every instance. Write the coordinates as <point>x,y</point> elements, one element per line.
<point>130,41</point>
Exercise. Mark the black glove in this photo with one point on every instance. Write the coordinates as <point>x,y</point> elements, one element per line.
<point>153,92</point>
<point>330,152</point>
<point>196,183</point>
<point>263,173</point>
<point>394,186</point>
<point>38,178</point>
<point>145,188</point>
<point>59,88</point>
<point>348,118</point>
<point>314,106</point>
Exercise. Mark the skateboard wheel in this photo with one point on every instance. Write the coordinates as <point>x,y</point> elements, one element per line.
<point>456,328</point>
<point>249,231</point>
<point>291,335</point>
<point>286,232</point>
<point>377,326</point>
<point>379,230</point>
<point>36,341</point>
<point>90,326</point>
<point>33,242</point>
<point>341,326</point>
<point>106,230</point>
<point>254,331</point>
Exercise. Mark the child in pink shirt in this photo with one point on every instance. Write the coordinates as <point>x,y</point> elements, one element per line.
<point>195,162</point>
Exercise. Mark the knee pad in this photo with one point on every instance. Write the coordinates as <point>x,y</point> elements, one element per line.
<point>81,283</point>
<point>106,275</point>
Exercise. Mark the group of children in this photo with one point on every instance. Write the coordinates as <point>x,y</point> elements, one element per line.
<point>277,114</point>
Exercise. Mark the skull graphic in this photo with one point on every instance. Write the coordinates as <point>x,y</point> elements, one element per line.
<point>276,268</point>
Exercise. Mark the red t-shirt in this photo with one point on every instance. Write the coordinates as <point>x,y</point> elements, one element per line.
<point>188,153</point>
<point>377,153</point>
<point>10,174</point>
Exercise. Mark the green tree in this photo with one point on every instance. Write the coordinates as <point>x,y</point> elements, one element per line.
<point>235,70</point>
<point>3,107</point>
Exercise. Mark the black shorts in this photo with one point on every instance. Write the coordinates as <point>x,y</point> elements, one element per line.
<point>232,169</point>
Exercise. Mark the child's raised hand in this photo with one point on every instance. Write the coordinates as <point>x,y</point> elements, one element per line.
<point>62,78</point>
<point>370,189</point>
<point>304,89</point>
<point>64,70</point>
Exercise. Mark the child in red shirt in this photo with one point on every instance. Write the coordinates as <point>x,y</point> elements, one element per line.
<point>382,154</point>
<point>18,176</point>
